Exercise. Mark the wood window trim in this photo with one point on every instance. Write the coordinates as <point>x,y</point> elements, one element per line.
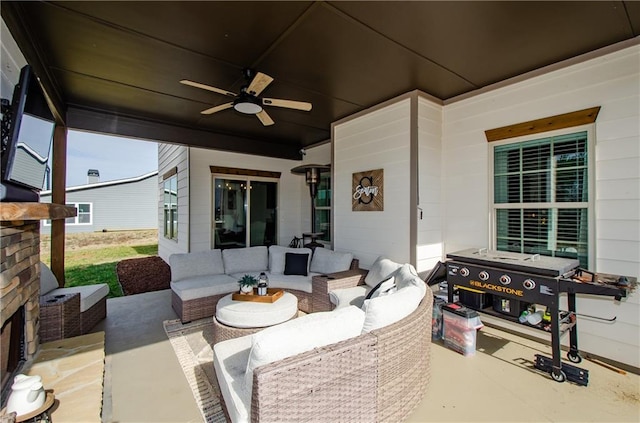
<point>566,120</point>
<point>244,172</point>
<point>168,174</point>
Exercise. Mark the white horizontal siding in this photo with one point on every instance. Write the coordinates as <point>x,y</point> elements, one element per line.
<point>173,156</point>
<point>378,140</point>
<point>612,82</point>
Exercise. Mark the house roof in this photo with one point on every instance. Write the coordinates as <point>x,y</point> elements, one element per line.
<point>106,183</point>
<point>115,67</point>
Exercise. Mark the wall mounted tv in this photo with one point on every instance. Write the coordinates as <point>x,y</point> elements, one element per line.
<point>27,132</point>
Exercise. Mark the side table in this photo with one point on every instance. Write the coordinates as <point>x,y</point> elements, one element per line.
<point>59,317</point>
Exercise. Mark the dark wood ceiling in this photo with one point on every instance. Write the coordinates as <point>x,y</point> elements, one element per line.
<point>114,67</point>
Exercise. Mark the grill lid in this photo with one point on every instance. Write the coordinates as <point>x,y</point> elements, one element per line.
<point>527,263</point>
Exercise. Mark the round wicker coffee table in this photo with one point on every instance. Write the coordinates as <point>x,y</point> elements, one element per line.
<point>240,318</point>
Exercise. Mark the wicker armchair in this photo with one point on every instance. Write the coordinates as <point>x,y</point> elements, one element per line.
<point>380,376</point>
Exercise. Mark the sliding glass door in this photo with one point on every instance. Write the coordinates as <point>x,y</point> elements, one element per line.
<point>245,212</point>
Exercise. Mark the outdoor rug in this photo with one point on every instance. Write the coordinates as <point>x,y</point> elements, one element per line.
<point>192,345</point>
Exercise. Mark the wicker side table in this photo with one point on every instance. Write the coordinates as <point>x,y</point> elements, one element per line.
<point>59,317</point>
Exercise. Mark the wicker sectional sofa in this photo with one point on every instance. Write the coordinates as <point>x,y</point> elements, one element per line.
<point>200,279</point>
<point>369,364</point>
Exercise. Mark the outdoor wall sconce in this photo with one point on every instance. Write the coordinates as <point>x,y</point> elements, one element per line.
<point>312,176</point>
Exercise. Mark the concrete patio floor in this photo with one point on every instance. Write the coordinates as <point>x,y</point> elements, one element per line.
<point>144,382</point>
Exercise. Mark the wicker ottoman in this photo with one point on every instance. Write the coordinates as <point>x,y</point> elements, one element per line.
<point>59,317</point>
<point>239,318</point>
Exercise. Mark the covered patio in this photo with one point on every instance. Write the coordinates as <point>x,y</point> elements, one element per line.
<point>414,96</point>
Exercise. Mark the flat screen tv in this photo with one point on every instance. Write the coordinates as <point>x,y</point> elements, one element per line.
<point>27,132</point>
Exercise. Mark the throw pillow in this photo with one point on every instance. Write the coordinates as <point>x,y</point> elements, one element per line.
<point>407,276</point>
<point>381,269</point>
<point>386,287</point>
<point>296,264</point>
<point>277,257</point>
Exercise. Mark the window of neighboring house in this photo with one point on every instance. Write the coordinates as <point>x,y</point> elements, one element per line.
<point>171,207</point>
<point>83,217</point>
<point>323,207</point>
<point>541,196</point>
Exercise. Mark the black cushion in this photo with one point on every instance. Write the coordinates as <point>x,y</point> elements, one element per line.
<point>296,264</point>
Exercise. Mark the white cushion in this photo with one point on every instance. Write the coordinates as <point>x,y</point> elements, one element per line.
<point>302,334</point>
<point>248,314</point>
<point>297,282</point>
<point>48,281</point>
<point>251,259</point>
<point>381,269</point>
<point>388,309</point>
<point>408,276</point>
<point>277,257</point>
<point>186,265</point>
<point>345,297</point>
<point>328,261</point>
<point>89,294</point>
<point>204,286</point>
<point>230,362</point>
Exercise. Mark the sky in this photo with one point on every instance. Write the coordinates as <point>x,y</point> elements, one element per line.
<point>114,157</point>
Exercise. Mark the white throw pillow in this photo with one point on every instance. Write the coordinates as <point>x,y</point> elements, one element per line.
<point>388,309</point>
<point>407,276</point>
<point>277,257</point>
<point>302,334</point>
<point>328,261</point>
<point>381,269</point>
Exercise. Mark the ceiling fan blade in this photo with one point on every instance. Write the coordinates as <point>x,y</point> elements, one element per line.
<point>208,88</point>
<point>289,104</point>
<point>265,118</point>
<point>259,83</point>
<point>216,109</point>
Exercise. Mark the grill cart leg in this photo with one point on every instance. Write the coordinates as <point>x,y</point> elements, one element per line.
<point>556,371</point>
<point>573,355</point>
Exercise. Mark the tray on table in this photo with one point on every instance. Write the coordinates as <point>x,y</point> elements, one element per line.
<point>273,294</point>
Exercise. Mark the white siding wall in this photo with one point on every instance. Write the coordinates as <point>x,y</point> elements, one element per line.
<point>378,140</point>
<point>122,206</point>
<point>612,82</point>
<point>430,240</point>
<point>169,157</point>
<point>289,193</point>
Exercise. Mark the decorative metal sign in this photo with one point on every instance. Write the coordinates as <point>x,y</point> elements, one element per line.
<point>367,191</point>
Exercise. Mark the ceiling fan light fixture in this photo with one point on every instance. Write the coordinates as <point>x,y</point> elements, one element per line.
<point>247,105</point>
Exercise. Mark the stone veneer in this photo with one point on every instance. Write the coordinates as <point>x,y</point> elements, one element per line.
<point>20,276</point>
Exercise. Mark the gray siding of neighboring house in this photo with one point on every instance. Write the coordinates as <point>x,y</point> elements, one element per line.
<point>172,157</point>
<point>119,205</point>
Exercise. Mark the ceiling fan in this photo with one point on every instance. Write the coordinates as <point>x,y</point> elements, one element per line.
<point>249,101</point>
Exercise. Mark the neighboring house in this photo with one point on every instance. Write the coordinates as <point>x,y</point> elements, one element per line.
<point>124,204</point>
<point>443,180</point>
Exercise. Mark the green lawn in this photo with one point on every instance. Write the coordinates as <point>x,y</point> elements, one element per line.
<point>98,265</point>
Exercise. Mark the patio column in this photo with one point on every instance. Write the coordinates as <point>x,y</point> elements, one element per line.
<point>58,196</point>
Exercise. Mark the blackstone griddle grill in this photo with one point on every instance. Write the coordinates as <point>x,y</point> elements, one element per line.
<point>540,280</point>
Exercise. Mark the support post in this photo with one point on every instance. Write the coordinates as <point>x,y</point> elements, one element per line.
<point>59,196</point>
